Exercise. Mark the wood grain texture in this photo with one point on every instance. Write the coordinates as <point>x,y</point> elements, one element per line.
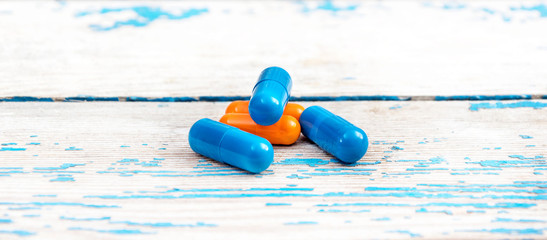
<point>203,48</point>
<point>125,170</point>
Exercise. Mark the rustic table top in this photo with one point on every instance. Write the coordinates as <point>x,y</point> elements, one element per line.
<point>97,98</point>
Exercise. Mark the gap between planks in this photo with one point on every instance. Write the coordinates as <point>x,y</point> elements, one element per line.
<point>85,98</point>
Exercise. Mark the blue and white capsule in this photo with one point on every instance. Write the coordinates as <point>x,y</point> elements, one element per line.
<point>270,96</point>
<point>334,134</point>
<point>230,145</point>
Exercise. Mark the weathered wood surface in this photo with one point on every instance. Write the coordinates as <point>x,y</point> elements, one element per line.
<point>197,48</point>
<point>125,170</point>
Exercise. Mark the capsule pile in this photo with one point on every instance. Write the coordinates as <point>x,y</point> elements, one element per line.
<point>244,136</point>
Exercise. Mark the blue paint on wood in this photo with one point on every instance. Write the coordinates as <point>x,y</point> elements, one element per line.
<point>344,169</point>
<point>504,205</point>
<point>12,149</point>
<point>84,98</point>
<point>332,210</point>
<point>454,189</point>
<point>540,8</point>
<point>513,163</point>
<point>111,231</point>
<point>501,105</point>
<point>62,179</point>
<point>488,10</point>
<point>84,219</point>
<point>382,219</point>
<point>73,149</point>
<point>411,234</point>
<point>21,233</point>
<point>164,224</point>
<point>478,169</point>
<point>12,171</point>
<point>25,99</point>
<point>235,189</point>
<point>516,220</point>
<point>40,204</point>
<point>223,98</point>
<point>301,223</point>
<point>403,194</point>
<point>146,15</point>
<point>426,169</point>
<point>511,231</point>
<point>63,166</point>
<point>204,195</point>
<point>280,189</point>
<point>57,171</point>
<point>424,210</point>
<point>521,157</point>
<point>397,106</point>
<point>327,6</point>
<point>342,210</point>
<point>278,204</point>
<point>338,174</point>
<point>476,211</point>
<point>161,99</point>
<point>45,195</point>
<point>128,160</point>
<point>204,174</point>
<point>349,98</point>
<point>404,173</point>
<point>312,162</point>
<point>482,97</point>
<point>23,208</point>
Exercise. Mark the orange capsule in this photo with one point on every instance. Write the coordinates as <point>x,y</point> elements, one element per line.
<point>291,109</point>
<point>285,131</point>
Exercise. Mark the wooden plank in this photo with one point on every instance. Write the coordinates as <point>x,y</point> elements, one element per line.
<point>204,48</point>
<point>433,170</point>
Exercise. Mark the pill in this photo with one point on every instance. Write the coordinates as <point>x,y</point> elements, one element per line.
<point>285,131</point>
<point>291,109</point>
<point>334,134</point>
<point>230,145</point>
<point>270,95</point>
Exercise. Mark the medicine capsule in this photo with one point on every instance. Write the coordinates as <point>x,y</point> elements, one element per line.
<point>285,131</point>
<point>291,109</point>
<point>334,134</point>
<point>230,145</point>
<point>270,95</point>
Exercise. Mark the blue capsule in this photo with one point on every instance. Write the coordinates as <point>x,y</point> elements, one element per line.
<point>334,134</point>
<point>230,145</point>
<point>270,95</point>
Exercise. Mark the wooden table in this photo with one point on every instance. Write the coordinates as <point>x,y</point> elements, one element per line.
<point>97,99</point>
